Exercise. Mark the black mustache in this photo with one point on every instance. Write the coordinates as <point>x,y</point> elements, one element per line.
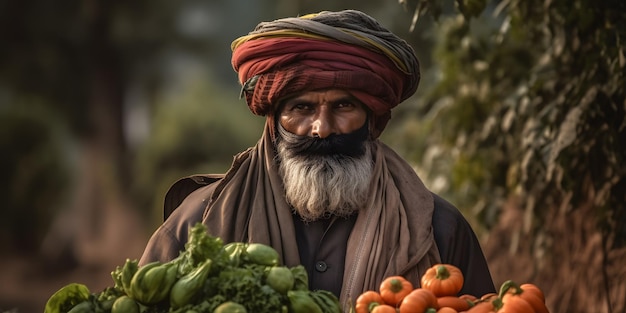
<point>349,145</point>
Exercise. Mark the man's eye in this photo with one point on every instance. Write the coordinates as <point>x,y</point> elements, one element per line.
<point>345,105</point>
<point>301,106</point>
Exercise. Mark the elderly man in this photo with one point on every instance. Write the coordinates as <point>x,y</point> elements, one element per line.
<point>319,186</point>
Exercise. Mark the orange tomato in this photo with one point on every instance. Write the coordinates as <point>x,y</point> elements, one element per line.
<point>366,302</point>
<point>419,301</point>
<point>384,308</point>
<point>394,288</point>
<point>443,280</point>
<point>454,302</point>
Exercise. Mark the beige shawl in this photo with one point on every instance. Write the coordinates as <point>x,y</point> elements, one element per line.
<point>393,235</point>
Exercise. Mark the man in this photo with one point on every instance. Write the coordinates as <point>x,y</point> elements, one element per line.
<point>319,186</point>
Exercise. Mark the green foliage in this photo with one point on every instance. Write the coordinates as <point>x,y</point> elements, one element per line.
<point>435,8</point>
<point>59,51</point>
<point>67,297</point>
<point>529,103</point>
<point>34,173</point>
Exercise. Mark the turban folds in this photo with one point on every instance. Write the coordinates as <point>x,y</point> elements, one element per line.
<point>345,50</point>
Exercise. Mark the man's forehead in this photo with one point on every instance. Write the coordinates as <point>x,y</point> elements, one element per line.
<point>324,93</point>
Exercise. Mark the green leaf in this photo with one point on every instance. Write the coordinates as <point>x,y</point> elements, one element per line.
<point>66,298</point>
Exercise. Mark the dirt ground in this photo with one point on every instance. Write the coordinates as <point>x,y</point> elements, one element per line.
<point>27,282</point>
<point>86,254</point>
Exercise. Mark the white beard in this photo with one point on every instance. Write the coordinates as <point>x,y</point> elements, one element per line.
<point>322,186</point>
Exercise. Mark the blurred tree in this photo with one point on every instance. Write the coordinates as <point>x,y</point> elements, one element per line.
<point>527,126</point>
<point>79,56</point>
<point>37,162</point>
<point>94,63</point>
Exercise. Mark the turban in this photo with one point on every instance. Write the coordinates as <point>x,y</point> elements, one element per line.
<point>345,50</point>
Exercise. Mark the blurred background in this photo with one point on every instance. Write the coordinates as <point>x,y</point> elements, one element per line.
<point>519,120</point>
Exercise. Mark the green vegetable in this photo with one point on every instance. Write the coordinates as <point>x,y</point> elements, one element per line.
<point>326,300</point>
<point>189,285</point>
<point>199,248</point>
<point>109,293</point>
<point>128,271</point>
<point>280,278</point>
<point>123,275</point>
<point>66,298</point>
<point>83,307</point>
<point>251,253</point>
<point>235,251</point>
<point>125,304</point>
<point>245,285</point>
<point>261,254</point>
<point>153,281</point>
<point>301,278</point>
<point>104,305</point>
<point>301,302</point>
<point>230,307</point>
<point>204,276</point>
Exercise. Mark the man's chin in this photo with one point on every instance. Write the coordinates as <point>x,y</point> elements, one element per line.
<point>319,187</point>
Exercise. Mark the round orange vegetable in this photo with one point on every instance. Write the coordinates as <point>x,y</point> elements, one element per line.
<point>488,296</point>
<point>446,309</point>
<point>529,292</point>
<point>384,308</point>
<point>533,289</point>
<point>443,280</point>
<point>469,297</point>
<point>394,288</point>
<point>456,303</point>
<point>420,300</point>
<point>482,307</point>
<point>366,302</point>
<point>515,304</point>
<point>534,296</point>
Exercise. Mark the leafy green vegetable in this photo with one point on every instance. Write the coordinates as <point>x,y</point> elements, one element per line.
<point>202,278</point>
<point>245,285</point>
<point>201,247</point>
<point>66,298</point>
<point>301,278</point>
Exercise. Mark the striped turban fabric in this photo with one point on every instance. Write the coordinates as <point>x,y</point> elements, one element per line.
<point>344,50</point>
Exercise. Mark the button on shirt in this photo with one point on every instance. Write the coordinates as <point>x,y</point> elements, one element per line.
<point>322,248</point>
<point>321,266</point>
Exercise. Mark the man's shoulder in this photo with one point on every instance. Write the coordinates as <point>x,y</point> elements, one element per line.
<point>184,187</point>
<point>446,216</point>
<point>443,206</point>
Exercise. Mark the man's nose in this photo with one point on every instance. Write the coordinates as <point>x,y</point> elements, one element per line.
<point>322,126</point>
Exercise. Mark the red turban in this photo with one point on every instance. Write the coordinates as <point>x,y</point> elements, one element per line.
<point>288,61</point>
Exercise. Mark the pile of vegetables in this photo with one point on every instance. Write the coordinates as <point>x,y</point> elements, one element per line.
<point>208,276</point>
<point>440,286</point>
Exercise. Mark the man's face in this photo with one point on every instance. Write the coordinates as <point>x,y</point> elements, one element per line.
<point>322,113</point>
<point>324,155</point>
